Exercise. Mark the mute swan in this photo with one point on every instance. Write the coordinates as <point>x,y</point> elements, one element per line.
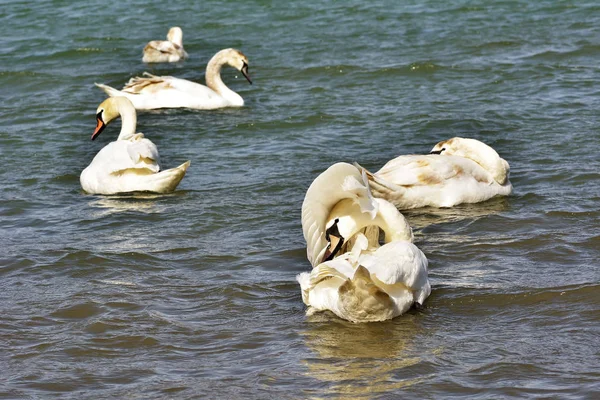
<point>353,276</point>
<point>456,171</point>
<point>170,50</point>
<point>131,162</point>
<point>168,92</point>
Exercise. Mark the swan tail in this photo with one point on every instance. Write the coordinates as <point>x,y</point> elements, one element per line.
<point>380,187</point>
<point>166,181</point>
<point>112,92</point>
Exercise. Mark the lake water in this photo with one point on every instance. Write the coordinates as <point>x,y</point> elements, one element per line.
<point>193,294</point>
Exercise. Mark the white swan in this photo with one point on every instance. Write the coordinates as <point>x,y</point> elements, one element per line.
<point>153,92</point>
<point>353,276</point>
<point>129,164</point>
<point>170,50</point>
<point>456,171</point>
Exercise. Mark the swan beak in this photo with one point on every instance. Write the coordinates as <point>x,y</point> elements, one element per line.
<point>100,125</point>
<point>335,239</point>
<point>436,152</point>
<point>335,243</point>
<point>244,71</point>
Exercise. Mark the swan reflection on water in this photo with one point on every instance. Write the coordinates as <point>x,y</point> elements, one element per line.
<point>144,202</point>
<point>420,218</point>
<point>363,360</point>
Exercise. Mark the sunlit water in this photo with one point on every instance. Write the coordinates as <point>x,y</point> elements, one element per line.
<point>193,294</point>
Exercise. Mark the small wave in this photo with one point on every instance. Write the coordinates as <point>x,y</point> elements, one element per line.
<point>563,54</point>
<point>78,311</point>
<point>89,49</point>
<point>499,44</point>
<point>424,66</point>
<point>117,282</point>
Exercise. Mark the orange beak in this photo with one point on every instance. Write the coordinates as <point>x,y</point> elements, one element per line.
<point>100,125</point>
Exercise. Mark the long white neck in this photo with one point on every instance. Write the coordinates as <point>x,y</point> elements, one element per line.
<point>214,81</point>
<point>393,223</point>
<point>128,120</point>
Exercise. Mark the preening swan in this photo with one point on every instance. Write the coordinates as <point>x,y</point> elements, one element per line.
<point>130,163</point>
<point>353,276</point>
<point>170,50</point>
<point>151,92</point>
<point>456,171</point>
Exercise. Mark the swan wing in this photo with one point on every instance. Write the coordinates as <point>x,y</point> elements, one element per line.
<point>398,262</point>
<point>340,181</point>
<point>124,155</point>
<point>149,84</point>
<point>162,46</point>
<point>144,154</point>
<point>430,170</point>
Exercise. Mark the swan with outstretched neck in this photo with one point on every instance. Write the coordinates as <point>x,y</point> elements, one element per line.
<point>458,170</point>
<point>152,92</point>
<point>354,276</point>
<point>170,50</point>
<point>129,164</point>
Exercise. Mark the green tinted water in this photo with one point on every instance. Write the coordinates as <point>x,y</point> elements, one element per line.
<point>193,294</point>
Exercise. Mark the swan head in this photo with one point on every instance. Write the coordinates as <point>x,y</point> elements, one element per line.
<point>476,151</point>
<point>347,221</point>
<point>235,59</point>
<point>341,190</point>
<point>175,36</point>
<point>109,110</point>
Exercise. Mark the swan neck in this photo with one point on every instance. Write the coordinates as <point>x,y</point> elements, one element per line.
<point>394,225</point>
<point>214,81</point>
<point>128,122</point>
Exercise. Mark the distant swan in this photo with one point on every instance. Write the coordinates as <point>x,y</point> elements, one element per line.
<point>154,92</point>
<point>170,50</point>
<point>456,171</point>
<point>353,275</point>
<point>131,162</point>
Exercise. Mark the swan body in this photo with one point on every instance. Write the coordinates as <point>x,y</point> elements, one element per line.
<point>130,163</point>
<point>353,275</point>
<point>458,170</point>
<point>152,92</point>
<point>170,50</point>
<point>368,285</point>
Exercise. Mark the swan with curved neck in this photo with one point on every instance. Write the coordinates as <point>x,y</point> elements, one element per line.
<point>130,163</point>
<point>152,92</point>
<point>170,50</point>
<point>457,170</point>
<point>353,275</point>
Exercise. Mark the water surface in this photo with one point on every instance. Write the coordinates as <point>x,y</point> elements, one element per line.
<point>193,294</point>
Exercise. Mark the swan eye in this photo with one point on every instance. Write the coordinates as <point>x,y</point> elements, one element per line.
<point>438,151</point>
<point>99,115</point>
